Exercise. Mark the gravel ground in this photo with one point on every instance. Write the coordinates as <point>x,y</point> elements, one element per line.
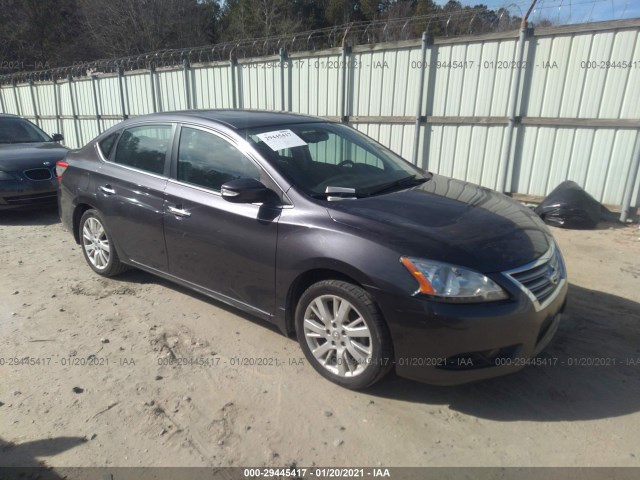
<point>99,391</point>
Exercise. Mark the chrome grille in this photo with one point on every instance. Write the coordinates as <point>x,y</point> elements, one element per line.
<point>541,279</point>
<point>38,174</point>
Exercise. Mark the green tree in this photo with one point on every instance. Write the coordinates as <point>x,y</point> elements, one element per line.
<point>340,12</point>
<point>212,12</point>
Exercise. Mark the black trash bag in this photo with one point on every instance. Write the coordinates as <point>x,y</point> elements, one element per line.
<point>569,206</point>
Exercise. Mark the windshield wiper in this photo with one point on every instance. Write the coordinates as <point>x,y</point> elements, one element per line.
<point>409,181</point>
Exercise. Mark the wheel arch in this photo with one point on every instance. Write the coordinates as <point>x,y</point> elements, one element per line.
<point>78,211</point>
<point>314,275</point>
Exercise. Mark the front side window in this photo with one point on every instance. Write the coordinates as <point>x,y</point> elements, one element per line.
<point>207,160</point>
<point>144,148</point>
<point>17,130</point>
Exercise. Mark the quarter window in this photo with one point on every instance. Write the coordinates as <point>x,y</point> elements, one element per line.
<point>107,143</point>
<point>209,161</point>
<point>144,148</point>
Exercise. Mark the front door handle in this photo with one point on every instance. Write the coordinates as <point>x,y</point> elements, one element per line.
<point>178,212</point>
<point>106,189</point>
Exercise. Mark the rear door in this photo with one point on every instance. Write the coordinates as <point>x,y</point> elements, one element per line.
<point>228,249</point>
<point>130,192</point>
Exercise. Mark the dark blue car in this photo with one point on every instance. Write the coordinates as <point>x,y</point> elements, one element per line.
<point>28,158</point>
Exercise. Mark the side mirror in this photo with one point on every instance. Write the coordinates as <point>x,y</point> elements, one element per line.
<point>57,137</point>
<point>246,190</point>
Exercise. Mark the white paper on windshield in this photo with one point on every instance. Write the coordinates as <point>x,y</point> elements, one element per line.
<point>281,139</point>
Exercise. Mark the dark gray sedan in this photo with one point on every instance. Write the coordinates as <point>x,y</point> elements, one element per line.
<point>27,164</point>
<point>372,262</point>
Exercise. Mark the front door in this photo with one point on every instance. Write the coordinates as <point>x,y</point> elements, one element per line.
<point>227,248</point>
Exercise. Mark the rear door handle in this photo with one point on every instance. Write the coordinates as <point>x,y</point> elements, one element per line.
<point>107,190</point>
<point>178,212</point>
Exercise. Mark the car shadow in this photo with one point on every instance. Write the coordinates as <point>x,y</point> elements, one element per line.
<point>592,371</point>
<point>40,216</point>
<point>20,460</point>
<point>592,367</point>
<point>142,278</point>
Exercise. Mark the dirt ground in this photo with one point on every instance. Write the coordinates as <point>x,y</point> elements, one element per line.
<point>98,394</point>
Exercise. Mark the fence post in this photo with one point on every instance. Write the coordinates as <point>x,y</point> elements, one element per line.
<point>631,181</point>
<point>33,103</point>
<point>56,105</point>
<point>152,72</point>
<point>283,59</point>
<point>15,97</point>
<point>233,62</point>
<point>73,113</point>
<point>2,100</point>
<point>344,117</point>
<point>423,61</point>
<point>95,102</point>
<point>121,88</point>
<point>185,69</point>
<point>505,161</point>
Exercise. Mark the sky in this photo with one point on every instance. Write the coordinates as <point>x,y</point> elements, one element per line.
<point>567,11</point>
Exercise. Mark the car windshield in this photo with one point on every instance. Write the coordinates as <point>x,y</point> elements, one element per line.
<point>17,130</point>
<point>329,159</point>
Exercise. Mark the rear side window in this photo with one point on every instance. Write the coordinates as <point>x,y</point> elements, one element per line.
<point>107,143</point>
<point>144,148</point>
<point>209,161</point>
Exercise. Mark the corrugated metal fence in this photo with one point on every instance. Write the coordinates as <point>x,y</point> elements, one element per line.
<point>578,109</point>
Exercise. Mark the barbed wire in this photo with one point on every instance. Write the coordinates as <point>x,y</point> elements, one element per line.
<point>466,21</point>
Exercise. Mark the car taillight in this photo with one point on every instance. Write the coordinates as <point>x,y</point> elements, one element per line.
<point>61,166</point>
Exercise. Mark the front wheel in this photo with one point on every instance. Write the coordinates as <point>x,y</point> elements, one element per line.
<point>97,245</point>
<point>343,335</point>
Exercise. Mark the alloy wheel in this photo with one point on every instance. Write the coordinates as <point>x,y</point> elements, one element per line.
<point>95,243</point>
<point>338,335</point>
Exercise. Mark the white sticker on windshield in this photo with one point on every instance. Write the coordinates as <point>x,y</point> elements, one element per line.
<point>281,139</point>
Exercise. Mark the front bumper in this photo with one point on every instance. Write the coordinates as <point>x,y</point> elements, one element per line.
<point>450,344</point>
<point>27,194</point>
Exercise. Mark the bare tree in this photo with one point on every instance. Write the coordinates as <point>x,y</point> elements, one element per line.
<point>129,27</point>
<point>259,18</point>
<point>37,35</point>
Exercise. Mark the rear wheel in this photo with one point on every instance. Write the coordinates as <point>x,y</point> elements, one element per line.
<point>97,245</point>
<point>343,335</point>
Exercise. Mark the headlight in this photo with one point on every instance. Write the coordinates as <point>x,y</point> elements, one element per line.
<point>450,283</point>
<point>8,176</point>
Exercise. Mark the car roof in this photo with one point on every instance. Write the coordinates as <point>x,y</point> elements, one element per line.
<point>236,119</point>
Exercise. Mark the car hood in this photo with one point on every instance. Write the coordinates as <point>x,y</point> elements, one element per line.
<point>18,156</point>
<point>450,221</point>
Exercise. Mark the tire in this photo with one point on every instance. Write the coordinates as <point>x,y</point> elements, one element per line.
<point>97,245</point>
<point>360,339</point>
